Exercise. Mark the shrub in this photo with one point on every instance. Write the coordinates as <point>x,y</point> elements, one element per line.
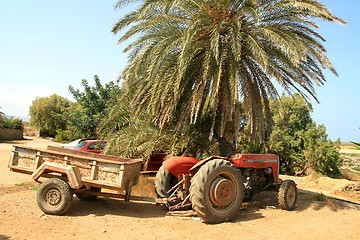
<point>299,141</point>
<point>47,114</point>
<point>11,122</point>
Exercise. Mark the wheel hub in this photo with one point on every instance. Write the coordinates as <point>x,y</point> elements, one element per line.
<point>290,195</point>
<point>53,197</point>
<point>222,192</point>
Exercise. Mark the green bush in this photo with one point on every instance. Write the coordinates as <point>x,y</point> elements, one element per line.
<point>11,122</point>
<point>301,143</point>
<point>47,114</point>
<point>2,115</point>
<point>92,105</point>
<point>62,135</point>
<point>357,145</point>
<point>320,153</point>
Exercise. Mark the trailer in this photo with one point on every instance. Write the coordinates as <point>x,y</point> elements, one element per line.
<point>68,172</point>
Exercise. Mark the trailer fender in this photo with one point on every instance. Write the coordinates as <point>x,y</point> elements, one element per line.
<point>72,173</point>
<point>196,167</point>
<point>179,165</point>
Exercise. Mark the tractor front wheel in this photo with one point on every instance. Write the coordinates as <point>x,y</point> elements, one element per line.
<point>164,181</point>
<point>287,195</point>
<point>217,191</point>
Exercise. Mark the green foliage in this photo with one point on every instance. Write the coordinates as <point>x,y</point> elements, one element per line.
<point>93,103</point>
<point>301,143</point>
<point>47,114</point>
<point>136,136</point>
<point>291,116</point>
<point>2,115</point>
<point>320,152</point>
<point>199,59</point>
<point>129,136</point>
<point>357,145</point>
<point>11,122</point>
<point>64,135</point>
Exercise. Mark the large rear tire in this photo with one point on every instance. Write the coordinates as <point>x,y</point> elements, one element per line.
<point>54,196</point>
<point>217,191</point>
<point>164,181</point>
<point>287,195</point>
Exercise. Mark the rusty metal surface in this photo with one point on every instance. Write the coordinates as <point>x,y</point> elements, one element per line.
<point>110,171</point>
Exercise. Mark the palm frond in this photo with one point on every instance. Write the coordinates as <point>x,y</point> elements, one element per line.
<point>195,57</point>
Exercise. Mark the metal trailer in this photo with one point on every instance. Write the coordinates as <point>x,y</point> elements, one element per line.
<point>70,171</point>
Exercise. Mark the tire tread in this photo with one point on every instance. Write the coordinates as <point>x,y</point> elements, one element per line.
<point>198,191</point>
<point>282,195</point>
<point>67,195</point>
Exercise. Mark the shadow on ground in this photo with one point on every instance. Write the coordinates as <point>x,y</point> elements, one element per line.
<point>4,237</point>
<point>106,206</point>
<point>268,200</point>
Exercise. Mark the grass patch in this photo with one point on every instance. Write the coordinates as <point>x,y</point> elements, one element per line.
<point>26,185</point>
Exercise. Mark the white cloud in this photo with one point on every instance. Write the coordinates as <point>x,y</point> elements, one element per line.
<point>15,100</point>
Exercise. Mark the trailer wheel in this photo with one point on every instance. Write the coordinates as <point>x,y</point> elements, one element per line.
<point>54,196</point>
<point>83,195</point>
<point>287,195</point>
<point>164,181</point>
<point>217,191</point>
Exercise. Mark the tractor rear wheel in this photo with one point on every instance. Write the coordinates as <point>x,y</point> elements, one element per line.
<point>164,181</point>
<point>287,195</point>
<point>217,191</point>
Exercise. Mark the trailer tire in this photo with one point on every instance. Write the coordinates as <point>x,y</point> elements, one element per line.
<point>83,195</point>
<point>217,191</point>
<point>287,195</point>
<point>54,196</point>
<point>164,181</point>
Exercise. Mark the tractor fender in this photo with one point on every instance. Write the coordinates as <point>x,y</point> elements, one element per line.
<point>196,167</point>
<point>179,165</point>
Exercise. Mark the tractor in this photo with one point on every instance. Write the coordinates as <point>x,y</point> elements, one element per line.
<point>216,187</point>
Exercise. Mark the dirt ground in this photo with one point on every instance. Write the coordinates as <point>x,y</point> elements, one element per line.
<point>315,217</point>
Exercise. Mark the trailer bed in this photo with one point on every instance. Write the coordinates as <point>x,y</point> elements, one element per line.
<point>92,170</point>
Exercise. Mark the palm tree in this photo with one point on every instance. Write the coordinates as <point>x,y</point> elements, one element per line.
<point>189,58</point>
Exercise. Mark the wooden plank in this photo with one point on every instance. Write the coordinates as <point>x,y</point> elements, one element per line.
<point>83,155</point>
<point>88,154</point>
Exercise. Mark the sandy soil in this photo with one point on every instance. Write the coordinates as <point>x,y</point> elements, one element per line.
<point>315,216</point>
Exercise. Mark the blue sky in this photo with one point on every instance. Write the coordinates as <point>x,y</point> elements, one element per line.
<point>45,46</point>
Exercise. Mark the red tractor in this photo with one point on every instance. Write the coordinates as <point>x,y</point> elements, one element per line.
<point>216,187</point>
